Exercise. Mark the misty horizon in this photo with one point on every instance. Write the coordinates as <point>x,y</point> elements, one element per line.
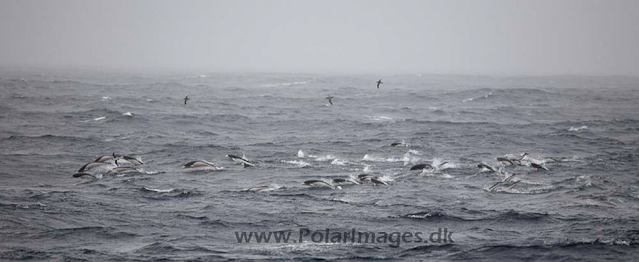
<point>502,38</point>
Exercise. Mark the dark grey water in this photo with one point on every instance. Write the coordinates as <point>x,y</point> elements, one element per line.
<point>585,207</point>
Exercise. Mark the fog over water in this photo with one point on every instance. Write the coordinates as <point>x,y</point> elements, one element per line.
<point>452,37</point>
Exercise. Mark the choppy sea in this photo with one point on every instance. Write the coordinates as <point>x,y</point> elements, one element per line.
<point>585,207</point>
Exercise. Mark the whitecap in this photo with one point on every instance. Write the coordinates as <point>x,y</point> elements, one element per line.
<point>159,190</point>
<point>473,99</point>
<point>301,154</point>
<point>129,114</point>
<point>106,98</point>
<point>299,163</point>
<point>380,118</point>
<point>99,118</point>
<point>576,129</point>
<point>197,76</point>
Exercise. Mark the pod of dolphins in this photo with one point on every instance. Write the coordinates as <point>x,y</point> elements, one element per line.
<point>123,164</point>
<point>111,164</point>
<point>117,164</point>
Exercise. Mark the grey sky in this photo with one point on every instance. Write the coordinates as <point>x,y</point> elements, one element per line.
<point>334,36</point>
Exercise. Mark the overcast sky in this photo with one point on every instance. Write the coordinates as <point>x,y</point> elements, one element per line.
<point>509,37</point>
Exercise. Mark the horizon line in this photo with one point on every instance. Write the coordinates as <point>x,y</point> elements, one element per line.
<point>192,71</point>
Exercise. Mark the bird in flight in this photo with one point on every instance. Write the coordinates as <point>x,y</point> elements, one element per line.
<point>186,99</point>
<point>329,97</point>
<point>379,83</point>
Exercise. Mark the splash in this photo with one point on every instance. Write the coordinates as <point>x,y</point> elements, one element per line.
<point>577,129</point>
<point>369,158</point>
<point>410,157</point>
<point>299,163</point>
<point>338,162</point>
<point>301,154</point>
<point>324,158</point>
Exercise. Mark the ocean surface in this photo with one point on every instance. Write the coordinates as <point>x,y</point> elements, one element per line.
<point>586,207</point>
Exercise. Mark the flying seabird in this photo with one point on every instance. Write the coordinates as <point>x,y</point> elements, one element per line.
<point>186,98</point>
<point>329,97</point>
<point>379,83</point>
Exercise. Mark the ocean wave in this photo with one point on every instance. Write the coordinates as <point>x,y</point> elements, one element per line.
<point>196,76</point>
<point>50,137</point>
<point>381,118</point>
<point>23,253</point>
<point>36,205</point>
<point>513,216</point>
<point>531,251</point>
<point>89,231</point>
<point>485,96</point>
<point>430,216</point>
<point>285,84</point>
<point>506,216</point>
